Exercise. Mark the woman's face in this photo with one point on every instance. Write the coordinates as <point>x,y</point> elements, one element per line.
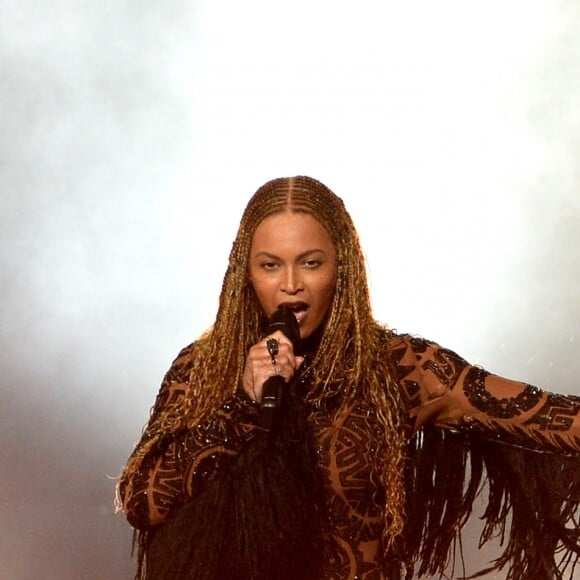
<point>293,263</point>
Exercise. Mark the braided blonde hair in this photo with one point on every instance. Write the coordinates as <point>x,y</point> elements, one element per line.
<point>350,360</point>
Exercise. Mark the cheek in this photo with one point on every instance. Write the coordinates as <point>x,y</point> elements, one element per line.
<point>263,291</point>
<point>327,290</point>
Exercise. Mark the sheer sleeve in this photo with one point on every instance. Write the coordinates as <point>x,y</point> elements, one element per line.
<point>178,466</point>
<point>510,444</point>
<point>445,390</point>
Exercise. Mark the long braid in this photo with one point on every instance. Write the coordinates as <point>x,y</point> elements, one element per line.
<point>350,361</point>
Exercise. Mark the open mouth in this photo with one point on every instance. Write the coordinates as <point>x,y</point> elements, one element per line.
<point>299,309</point>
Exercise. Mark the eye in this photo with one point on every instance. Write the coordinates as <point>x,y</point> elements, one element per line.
<point>312,264</point>
<point>268,265</point>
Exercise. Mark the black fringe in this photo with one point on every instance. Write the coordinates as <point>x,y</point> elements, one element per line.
<point>264,520</point>
<point>532,506</point>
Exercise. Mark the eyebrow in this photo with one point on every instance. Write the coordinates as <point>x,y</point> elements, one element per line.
<point>299,257</point>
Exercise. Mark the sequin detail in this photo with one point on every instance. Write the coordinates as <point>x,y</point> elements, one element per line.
<point>347,447</point>
<point>498,407</point>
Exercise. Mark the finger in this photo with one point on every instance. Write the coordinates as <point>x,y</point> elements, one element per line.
<point>281,338</point>
<point>272,345</point>
<point>283,361</point>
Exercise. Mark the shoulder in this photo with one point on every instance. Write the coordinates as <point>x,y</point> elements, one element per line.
<point>413,342</point>
<point>409,350</point>
<point>401,343</point>
<point>182,363</point>
<point>389,342</point>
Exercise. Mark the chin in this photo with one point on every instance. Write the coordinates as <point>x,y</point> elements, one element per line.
<point>307,331</point>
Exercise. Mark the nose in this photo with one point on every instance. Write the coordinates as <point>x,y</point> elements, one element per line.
<point>292,281</point>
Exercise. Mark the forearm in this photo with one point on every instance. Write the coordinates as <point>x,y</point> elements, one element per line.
<point>514,412</point>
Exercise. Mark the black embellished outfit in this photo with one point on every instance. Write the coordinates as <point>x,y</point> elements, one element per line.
<point>464,424</point>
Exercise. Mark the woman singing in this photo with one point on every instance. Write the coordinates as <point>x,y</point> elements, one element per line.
<point>298,438</point>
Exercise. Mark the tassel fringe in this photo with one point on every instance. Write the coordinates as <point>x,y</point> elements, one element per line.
<point>532,506</point>
<point>259,522</point>
<point>265,520</point>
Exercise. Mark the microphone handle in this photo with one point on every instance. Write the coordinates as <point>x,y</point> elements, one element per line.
<point>271,398</point>
<point>284,320</point>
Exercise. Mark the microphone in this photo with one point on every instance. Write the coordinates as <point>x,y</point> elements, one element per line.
<point>283,319</point>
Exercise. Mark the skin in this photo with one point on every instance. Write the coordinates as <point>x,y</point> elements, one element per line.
<point>292,262</point>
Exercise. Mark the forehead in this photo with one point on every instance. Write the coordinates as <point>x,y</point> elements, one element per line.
<point>290,230</point>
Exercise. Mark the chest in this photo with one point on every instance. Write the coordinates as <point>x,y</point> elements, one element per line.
<point>347,448</point>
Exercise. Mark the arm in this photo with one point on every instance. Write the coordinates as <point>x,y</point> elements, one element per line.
<point>178,465</point>
<point>444,389</point>
<point>530,502</point>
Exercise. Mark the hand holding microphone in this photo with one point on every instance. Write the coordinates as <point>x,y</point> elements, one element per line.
<point>272,362</point>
